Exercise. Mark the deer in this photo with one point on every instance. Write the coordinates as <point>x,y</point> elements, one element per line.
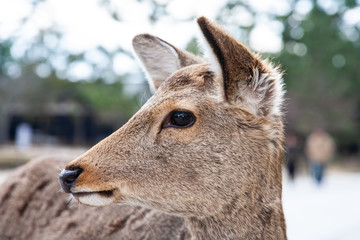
<point>207,146</point>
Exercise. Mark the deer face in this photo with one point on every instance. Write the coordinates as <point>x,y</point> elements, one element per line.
<point>210,134</point>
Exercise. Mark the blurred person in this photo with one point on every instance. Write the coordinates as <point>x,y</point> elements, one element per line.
<point>292,154</point>
<point>319,150</point>
<point>23,136</point>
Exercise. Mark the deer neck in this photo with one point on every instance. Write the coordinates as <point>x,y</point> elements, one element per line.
<point>248,222</point>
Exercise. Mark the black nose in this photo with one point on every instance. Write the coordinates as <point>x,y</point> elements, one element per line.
<point>68,177</point>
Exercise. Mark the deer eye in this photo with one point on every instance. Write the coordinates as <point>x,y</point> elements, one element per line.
<point>179,119</point>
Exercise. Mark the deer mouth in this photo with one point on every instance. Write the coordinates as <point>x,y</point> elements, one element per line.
<point>96,198</point>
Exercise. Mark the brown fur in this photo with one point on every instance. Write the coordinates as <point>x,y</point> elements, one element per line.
<point>33,208</point>
<point>223,173</point>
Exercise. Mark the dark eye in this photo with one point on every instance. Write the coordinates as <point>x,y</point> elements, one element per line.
<point>179,119</point>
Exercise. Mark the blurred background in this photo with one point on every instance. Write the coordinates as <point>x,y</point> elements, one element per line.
<point>68,79</point>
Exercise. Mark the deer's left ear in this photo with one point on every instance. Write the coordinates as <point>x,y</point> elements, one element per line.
<point>160,59</point>
<point>248,81</point>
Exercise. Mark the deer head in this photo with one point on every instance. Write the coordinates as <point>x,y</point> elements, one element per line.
<point>211,134</point>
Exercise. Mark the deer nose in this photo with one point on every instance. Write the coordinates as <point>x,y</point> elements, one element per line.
<point>68,177</point>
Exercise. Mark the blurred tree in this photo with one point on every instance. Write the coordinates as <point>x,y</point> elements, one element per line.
<point>320,56</point>
<point>5,59</point>
<point>322,70</point>
<point>321,60</point>
<point>108,100</point>
<point>37,75</point>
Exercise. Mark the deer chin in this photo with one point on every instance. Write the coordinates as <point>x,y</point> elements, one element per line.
<point>96,198</point>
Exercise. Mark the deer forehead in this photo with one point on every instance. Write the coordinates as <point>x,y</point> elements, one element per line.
<point>193,77</point>
<point>185,89</point>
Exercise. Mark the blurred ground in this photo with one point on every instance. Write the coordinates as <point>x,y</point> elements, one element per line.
<point>10,156</point>
<point>327,212</point>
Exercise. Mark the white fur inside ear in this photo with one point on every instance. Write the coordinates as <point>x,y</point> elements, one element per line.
<point>172,50</point>
<point>158,59</point>
<point>209,54</point>
<point>256,95</point>
<point>215,66</point>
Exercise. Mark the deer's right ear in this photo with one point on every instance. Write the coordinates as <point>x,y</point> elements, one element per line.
<point>160,59</point>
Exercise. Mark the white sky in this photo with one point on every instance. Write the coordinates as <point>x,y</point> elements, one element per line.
<point>85,25</point>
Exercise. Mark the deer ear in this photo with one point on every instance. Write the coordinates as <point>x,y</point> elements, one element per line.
<point>247,80</point>
<point>160,59</point>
